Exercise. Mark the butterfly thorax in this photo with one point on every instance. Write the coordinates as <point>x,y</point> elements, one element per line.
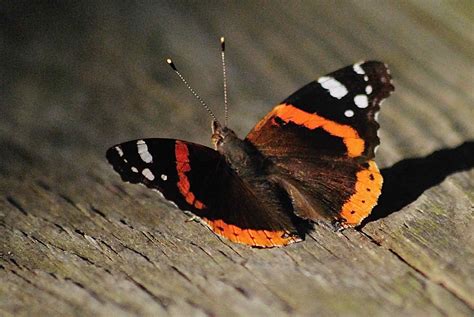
<point>241,155</point>
<point>253,170</point>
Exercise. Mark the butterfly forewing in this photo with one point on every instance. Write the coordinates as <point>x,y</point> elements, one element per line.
<point>342,104</point>
<point>197,178</point>
<point>323,137</point>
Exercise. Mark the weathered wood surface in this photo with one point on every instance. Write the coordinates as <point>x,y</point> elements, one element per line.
<point>77,77</point>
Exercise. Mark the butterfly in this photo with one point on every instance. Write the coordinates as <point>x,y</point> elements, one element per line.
<point>309,160</point>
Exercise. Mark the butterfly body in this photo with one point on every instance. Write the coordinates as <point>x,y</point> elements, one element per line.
<point>239,154</point>
<point>309,160</point>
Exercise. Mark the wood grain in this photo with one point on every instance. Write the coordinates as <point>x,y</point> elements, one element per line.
<point>78,77</point>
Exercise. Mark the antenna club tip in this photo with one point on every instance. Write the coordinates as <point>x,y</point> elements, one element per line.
<point>170,62</point>
<point>222,43</point>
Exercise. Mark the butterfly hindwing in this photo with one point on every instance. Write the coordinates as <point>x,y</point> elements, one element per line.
<point>324,138</point>
<point>198,179</point>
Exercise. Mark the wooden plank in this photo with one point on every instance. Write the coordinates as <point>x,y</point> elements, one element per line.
<point>75,240</point>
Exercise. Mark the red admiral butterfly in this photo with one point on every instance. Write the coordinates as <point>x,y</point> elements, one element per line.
<point>309,159</point>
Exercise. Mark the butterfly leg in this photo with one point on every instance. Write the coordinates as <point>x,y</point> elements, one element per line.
<point>338,225</point>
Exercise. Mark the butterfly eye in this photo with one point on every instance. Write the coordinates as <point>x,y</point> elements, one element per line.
<point>217,140</point>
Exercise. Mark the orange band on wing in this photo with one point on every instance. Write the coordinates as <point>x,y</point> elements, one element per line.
<point>354,143</point>
<point>182,166</point>
<point>367,191</point>
<point>256,238</point>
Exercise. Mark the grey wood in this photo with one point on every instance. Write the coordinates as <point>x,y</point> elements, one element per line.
<point>78,77</point>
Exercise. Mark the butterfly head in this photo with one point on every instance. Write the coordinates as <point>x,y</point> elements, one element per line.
<point>222,136</point>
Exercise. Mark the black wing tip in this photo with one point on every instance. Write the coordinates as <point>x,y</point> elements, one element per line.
<point>110,153</point>
<point>118,164</point>
<point>114,157</point>
<point>382,71</point>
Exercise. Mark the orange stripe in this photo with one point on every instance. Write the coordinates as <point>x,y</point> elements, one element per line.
<point>367,191</point>
<point>198,204</point>
<point>182,166</point>
<point>354,143</point>
<point>256,238</point>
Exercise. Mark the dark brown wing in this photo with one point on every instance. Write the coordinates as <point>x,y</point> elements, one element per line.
<point>324,137</point>
<point>197,178</point>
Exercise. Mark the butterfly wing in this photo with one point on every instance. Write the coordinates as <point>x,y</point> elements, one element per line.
<point>197,178</point>
<point>324,138</point>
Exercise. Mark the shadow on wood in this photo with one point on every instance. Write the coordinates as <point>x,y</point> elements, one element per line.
<point>406,180</point>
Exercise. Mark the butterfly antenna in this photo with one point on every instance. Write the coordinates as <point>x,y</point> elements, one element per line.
<point>170,62</point>
<point>226,107</point>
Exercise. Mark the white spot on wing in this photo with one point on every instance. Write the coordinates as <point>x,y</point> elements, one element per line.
<point>366,78</point>
<point>368,89</point>
<point>119,151</point>
<point>336,89</point>
<point>361,101</point>
<point>376,116</point>
<point>376,149</point>
<point>134,169</point>
<point>164,177</point>
<point>358,69</point>
<point>349,113</point>
<point>148,174</point>
<point>143,151</point>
